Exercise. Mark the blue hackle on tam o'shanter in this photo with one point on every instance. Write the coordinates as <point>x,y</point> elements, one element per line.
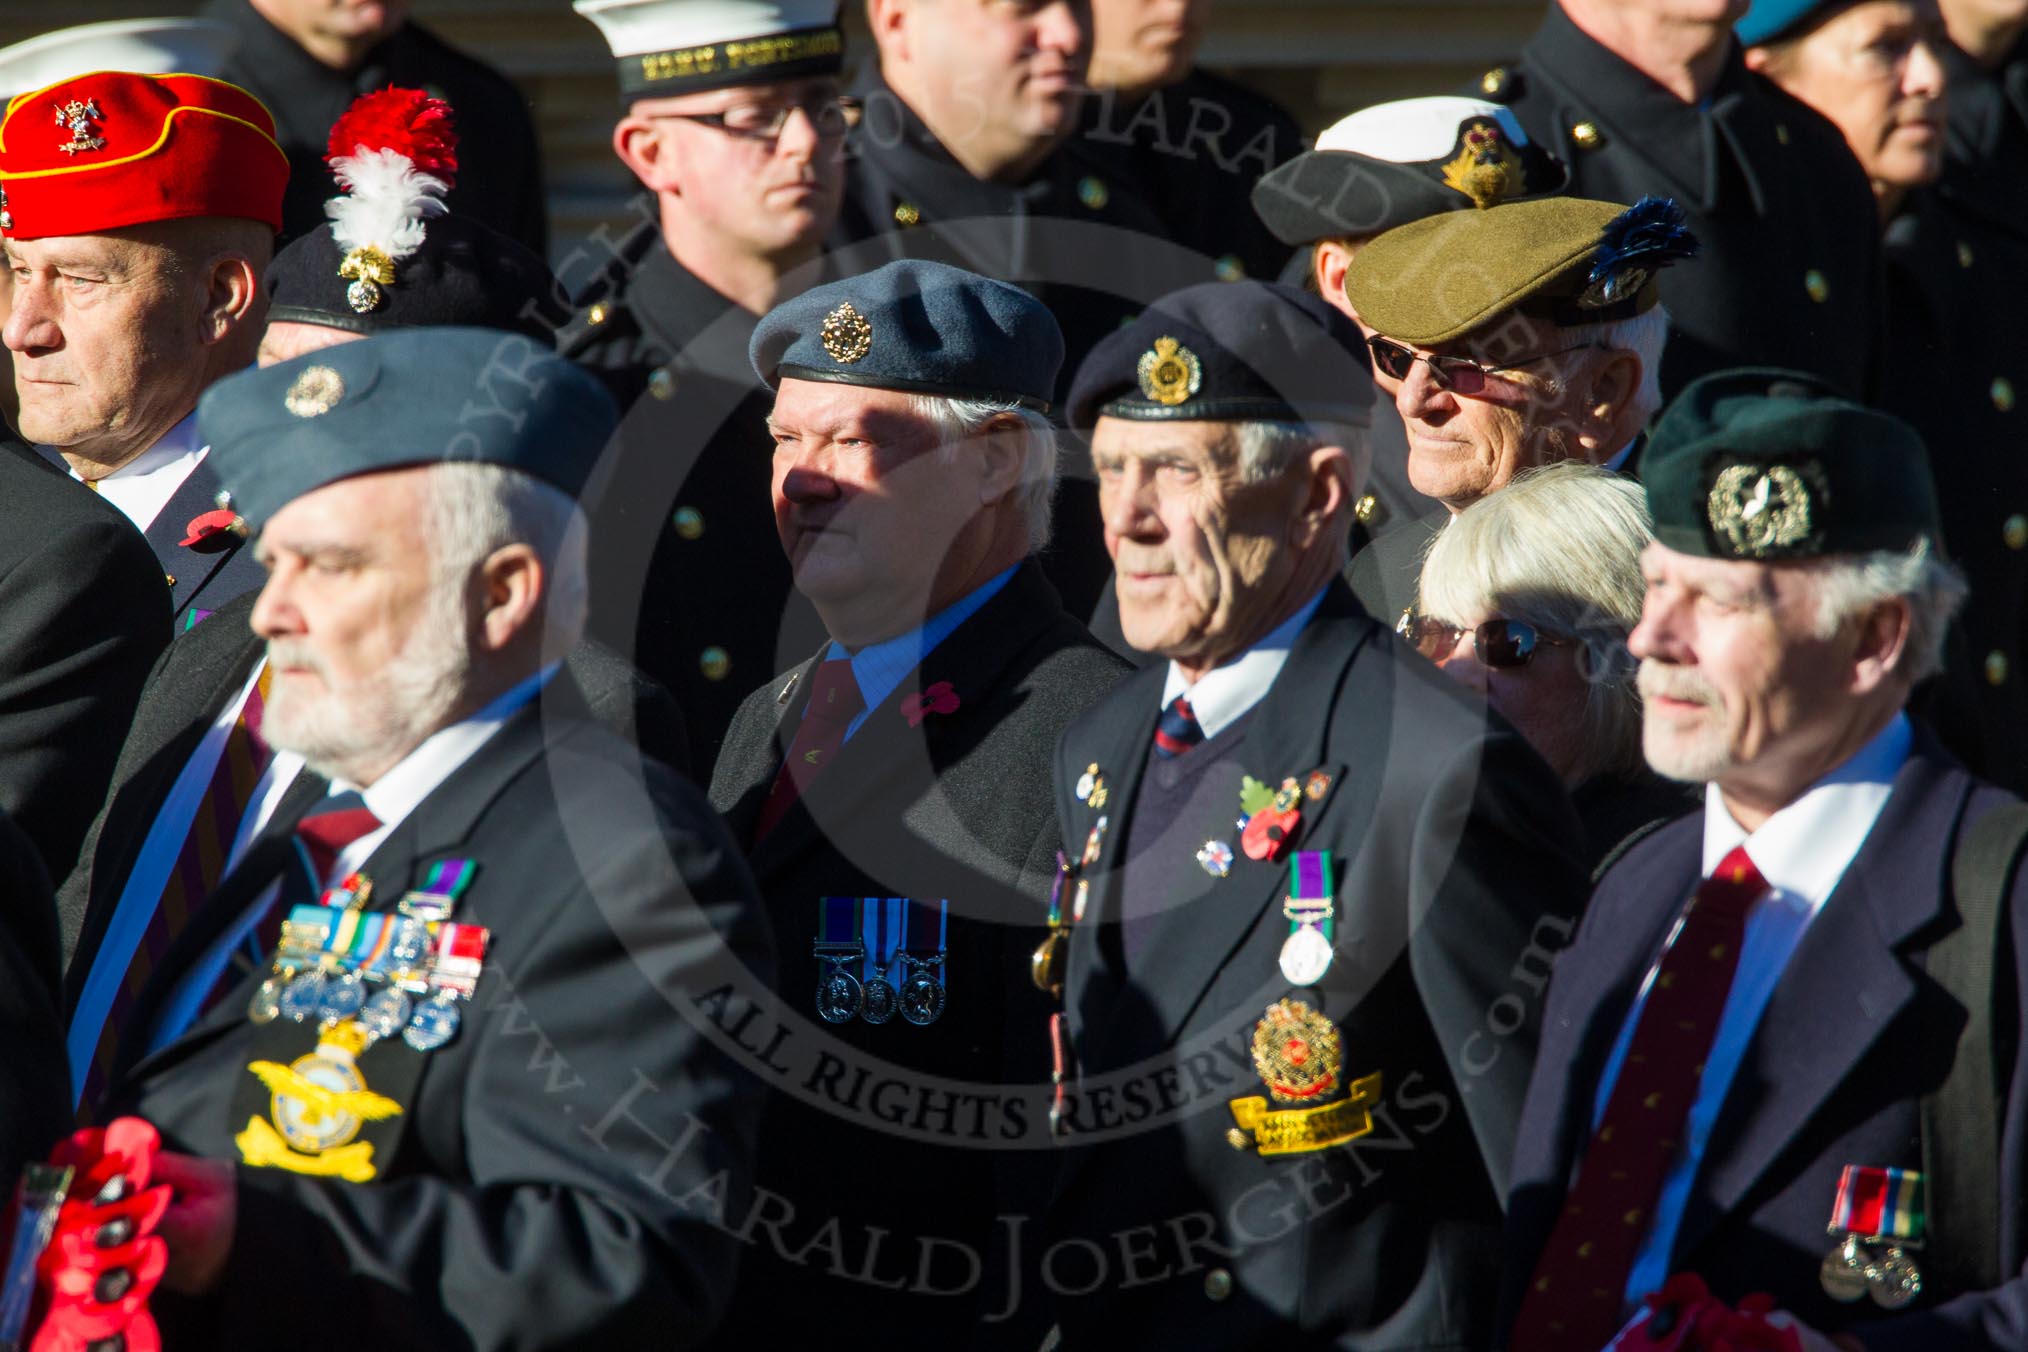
<point>1650,233</point>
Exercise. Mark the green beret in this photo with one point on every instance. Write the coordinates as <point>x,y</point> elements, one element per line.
<point>1769,464</point>
<point>1566,259</point>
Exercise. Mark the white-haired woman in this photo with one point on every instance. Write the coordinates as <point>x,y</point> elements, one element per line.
<point>1529,595</point>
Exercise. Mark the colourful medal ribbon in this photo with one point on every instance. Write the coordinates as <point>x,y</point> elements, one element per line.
<point>1879,1204</point>
<point>837,924</point>
<point>437,896</point>
<point>926,918</point>
<point>1056,891</point>
<point>460,955</point>
<point>882,927</point>
<point>1310,892</point>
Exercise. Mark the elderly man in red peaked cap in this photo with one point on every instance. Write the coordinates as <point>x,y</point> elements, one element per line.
<point>138,214</point>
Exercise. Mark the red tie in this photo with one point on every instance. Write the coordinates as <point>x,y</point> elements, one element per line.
<point>834,702</point>
<point>1580,1283</point>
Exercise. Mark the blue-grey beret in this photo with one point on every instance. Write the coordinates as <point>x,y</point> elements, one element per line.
<point>408,397</point>
<point>1228,352</point>
<point>1766,20</point>
<point>914,325</point>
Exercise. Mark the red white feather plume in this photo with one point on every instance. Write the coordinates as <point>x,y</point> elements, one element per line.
<point>394,152</point>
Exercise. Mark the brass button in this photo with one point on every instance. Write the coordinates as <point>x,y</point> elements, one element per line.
<point>169,578</point>
<point>715,662</point>
<point>2015,531</point>
<point>689,522</point>
<point>1092,192</point>
<point>1229,269</point>
<point>596,315</point>
<point>2003,394</point>
<point>1586,136</point>
<point>1996,667</point>
<point>1218,1284</point>
<point>1817,285</point>
<point>1365,509</point>
<point>1782,132</point>
<point>907,213</point>
<point>1964,254</point>
<point>1494,81</point>
<point>662,384</point>
<point>1237,1139</point>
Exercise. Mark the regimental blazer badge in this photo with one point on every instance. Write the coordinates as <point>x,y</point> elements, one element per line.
<point>1300,1058</point>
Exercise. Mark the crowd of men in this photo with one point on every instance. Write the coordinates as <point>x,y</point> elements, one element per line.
<point>1035,714</point>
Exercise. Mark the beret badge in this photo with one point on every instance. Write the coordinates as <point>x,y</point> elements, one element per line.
<point>1487,170</point>
<point>846,334</point>
<point>1640,241</point>
<point>1169,372</point>
<point>316,391</point>
<point>368,269</point>
<point>79,119</point>
<point>1761,511</point>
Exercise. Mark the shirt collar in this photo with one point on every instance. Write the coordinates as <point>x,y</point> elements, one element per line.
<point>174,444</point>
<point>418,774</point>
<point>1229,689</point>
<point>879,667</point>
<point>1805,847</point>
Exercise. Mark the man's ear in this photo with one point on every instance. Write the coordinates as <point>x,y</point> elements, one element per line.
<point>1882,645</point>
<point>1002,448</point>
<point>512,583</point>
<point>642,147</point>
<point>888,20</point>
<point>232,298</point>
<point>1610,389</point>
<point>1327,493</point>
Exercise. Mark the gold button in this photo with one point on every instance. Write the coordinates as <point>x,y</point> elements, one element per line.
<point>1092,192</point>
<point>2003,394</point>
<point>715,662</point>
<point>1218,1284</point>
<point>1494,81</point>
<point>907,213</point>
<point>1782,132</point>
<point>662,384</point>
<point>597,314</point>
<point>689,522</point>
<point>2015,531</point>
<point>1364,511</point>
<point>1236,1138</point>
<point>1996,668</point>
<point>1586,136</point>
<point>1964,254</point>
<point>1817,285</point>
<point>1229,269</point>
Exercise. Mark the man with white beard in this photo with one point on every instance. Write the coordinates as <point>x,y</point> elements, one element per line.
<point>465,841</point>
<point>1779,1014</point>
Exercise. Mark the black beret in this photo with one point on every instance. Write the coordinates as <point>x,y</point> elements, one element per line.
<point>1228,352</point>
<point>1771,464</point>
<point>918,326</point>
<point>462,273</point>
<point>410,397</point>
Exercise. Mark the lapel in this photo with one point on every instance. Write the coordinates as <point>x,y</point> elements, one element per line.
<point>192,571</point>
<point>888,764</point>
<point>1848,980</point>
<point>1189,946</point>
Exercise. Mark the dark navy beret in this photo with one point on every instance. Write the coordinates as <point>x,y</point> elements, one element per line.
<point>410,397</point>
<point>1228,352</point>
<point>914,325</point>
<point>462,273</point>
<point>1771,464</point>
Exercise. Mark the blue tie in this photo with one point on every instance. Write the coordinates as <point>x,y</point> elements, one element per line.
<point>1177,730</point>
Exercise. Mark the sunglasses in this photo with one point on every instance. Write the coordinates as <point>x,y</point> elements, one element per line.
<point>1459,375</point>
<point>1499,644</point>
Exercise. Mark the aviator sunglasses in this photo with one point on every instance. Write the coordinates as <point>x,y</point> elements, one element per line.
<point>1459,375</point>
<point>1499,644</point>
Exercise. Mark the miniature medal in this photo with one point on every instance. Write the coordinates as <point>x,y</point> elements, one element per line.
<point>341,997</point>
<point>922,994</point>
<point>1843,1271</point>
<point>1215,858</point>
<point>876,1000</point>
<point>267,1001</point>
<point>434,1023</point>
<point>1880,1215</point>
<point>838,993</point>
<point>387,1013</point>
<point>299,999</point>
<point>1306,953</point>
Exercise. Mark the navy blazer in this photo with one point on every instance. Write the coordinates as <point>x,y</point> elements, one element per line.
<point>1834,1076</point>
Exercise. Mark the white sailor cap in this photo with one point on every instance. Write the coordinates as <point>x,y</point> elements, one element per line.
<point>676,46</point>
<point>142,46</point>
<point>1410,130</point>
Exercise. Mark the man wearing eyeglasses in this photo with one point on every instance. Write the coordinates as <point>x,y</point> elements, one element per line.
<point>733,123</point>
<point>1522,334</point>
<point>1293,1046</point>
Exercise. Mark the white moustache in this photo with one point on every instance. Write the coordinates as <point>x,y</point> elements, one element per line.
<point>284,652</point>
<point>1658,681</point>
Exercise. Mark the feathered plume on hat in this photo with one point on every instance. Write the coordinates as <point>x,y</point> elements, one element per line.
<point>394,153</point>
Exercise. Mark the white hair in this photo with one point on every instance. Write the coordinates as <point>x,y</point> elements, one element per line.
<point>959,420</point>
<point>1559,548</point>
<point>475,509</point>
<point>1266,449</point>
<point>1848,587</point>
<point>1645,335</point>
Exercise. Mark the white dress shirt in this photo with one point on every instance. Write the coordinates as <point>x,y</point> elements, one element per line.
<point>143,486</point>
<point>1228,690</point>
<point>1803,851</point>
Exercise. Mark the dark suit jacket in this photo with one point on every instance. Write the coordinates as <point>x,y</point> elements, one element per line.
<point>192,683</point>
<point>34,1086</point>
<point>1842,1055</point>
<point>82,615</point>
<point>957,807</point>
<point>1458,877</point>
<point>522,1201</point>
<point>200,582</point>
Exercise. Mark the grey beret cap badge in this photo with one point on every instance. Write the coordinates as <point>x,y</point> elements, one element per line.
<point>316,391</point>
<point>1169,372</point>
<point>1760,511</point>
<point>846,334</point>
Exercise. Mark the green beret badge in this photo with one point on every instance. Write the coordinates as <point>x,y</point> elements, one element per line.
<point>1169,372</point>
<point>1760,511</point>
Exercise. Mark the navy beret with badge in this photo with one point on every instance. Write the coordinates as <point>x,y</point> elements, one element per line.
<point>1398,162</point>
<point>916,326</point>
<point>408,397</point>
<point>1228,352</point>
<point>1767,464</point>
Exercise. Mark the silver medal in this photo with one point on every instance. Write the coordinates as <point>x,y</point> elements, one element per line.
<point>387,1013</point>
<point>341,997</point>
<point>266,1002</point>
<point>1306,956</point>
<point>1843,1272</point>
<point>876,1003</point>
<point>838,995</point>
<point>922,996</point>
<point>1894,1281</point>
<point>434,1022</point>
<point>299,999</point>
